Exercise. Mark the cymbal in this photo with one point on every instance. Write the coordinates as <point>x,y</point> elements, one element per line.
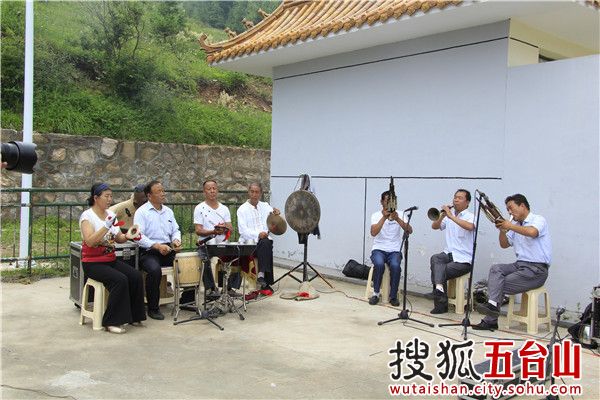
<point>276,224</point>
<point>302,211</point>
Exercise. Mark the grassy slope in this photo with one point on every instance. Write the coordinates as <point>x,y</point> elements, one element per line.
<point>181,106</point>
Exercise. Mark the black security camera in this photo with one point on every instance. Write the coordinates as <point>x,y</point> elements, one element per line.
<point>19,156</point>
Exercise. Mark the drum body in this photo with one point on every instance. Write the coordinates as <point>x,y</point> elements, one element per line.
<point>187,268</point>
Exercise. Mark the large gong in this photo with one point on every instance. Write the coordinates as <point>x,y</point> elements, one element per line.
<point>302,211</point>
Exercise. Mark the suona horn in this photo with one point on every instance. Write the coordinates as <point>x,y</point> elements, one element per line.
<point>434,213</point>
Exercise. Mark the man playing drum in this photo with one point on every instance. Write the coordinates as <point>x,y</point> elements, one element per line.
<point>455,260</point>
<point>252,225</point>
<point>529,235</point>
<point>160,240</point>
<point>212,220</point>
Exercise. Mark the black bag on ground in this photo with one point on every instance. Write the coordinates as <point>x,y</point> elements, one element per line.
<point>576,329</point>
<point>354,269</point>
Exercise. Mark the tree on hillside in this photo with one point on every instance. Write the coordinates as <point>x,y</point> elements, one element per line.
<point>169,20</point>
<point>113,25</point>
<point>219,14</point>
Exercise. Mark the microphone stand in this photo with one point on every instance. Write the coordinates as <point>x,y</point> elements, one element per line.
<point>549,359</point>
<point>404,314</point>
<point>466,322</point>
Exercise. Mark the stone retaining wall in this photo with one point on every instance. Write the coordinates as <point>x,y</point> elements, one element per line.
<point>66,161</point>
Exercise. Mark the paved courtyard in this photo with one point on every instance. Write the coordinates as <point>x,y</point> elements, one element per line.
<point>330,347</point>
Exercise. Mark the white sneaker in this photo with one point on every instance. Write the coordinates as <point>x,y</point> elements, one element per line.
<point>115,329</point>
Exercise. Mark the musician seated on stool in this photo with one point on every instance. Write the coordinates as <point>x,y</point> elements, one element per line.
<point>252,226</point>
<point>386,228</point>
<point>455,260</point>
<point>99,231</point>
<point>161,239</point>
<point>212,220</point>
<point>529,235</point>
<point>125,210</point>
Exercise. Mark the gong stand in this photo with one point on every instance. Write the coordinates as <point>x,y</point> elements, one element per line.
<point>302,211</point>
<point>305,265</point>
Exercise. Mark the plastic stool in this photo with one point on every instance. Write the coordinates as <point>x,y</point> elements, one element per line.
<point>384,290</point>
<point>529,312</point>
<point>456,293</point>
<point>165,296</point>
<point>99,305</point>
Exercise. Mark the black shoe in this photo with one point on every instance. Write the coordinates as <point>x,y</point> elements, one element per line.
<point>440,302</point>
<point>429,295</point>
<point>439,309</point>
<point>394,302</point>
<point>488,309</point>
<point>233,293</point>
<point>212,295</point>
<point>374,300</point>
<point>262,283</point>
<point>155,314</point>
<point>485,326</point>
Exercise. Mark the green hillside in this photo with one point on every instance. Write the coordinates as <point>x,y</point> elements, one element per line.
<point>133,70</point>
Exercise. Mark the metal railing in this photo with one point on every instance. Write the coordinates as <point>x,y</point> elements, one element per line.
<point>54,224</point>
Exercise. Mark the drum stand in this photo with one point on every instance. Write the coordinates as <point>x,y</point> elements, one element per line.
<point>466,322</point>
<point>304,264</point>
<point>226,303</point>
<point>201,314</point>
<point>404,314</point>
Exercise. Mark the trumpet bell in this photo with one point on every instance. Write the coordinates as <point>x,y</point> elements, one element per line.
<point>433,214</point>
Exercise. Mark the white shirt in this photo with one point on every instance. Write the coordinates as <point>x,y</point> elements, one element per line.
<point>90,216</point>
<point>253,220</point>
<point>208,217</point>
<point>459,241</point>
<point>539,249</point>
<point>156,226</point>
<point>389,237</point>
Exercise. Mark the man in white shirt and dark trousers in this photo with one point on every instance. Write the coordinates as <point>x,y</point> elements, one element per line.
<point>387,229</point>
<point>160,240</point>
<point>212,220</point>
<point>456,258</point>
<point>529,235</point>
<point>252,226</point>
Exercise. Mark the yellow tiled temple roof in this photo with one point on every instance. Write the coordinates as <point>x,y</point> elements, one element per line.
<point>298,20</point>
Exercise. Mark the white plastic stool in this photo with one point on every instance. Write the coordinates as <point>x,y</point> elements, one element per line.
<point>165,296</point>
<point>384,290</point>
<point>100,301</point>
<point>529,312</point>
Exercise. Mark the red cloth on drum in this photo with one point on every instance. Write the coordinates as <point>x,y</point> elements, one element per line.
<point>97,254</point>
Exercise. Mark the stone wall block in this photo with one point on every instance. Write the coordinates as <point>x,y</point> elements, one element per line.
<point>59,154</point>
<point>108,147</point>
<point>85,156</point>
<point>127,151</point>
<point>149,152</point>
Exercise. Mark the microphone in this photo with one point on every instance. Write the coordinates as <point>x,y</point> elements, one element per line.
<point>560,311</point>
<point>413,208</point>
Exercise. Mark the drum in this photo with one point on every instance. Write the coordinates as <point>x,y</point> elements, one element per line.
<point>186,268</point>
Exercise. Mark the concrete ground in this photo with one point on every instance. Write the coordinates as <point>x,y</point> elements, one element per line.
<point>330,347</point>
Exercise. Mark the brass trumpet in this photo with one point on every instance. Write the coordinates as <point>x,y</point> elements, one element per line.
<point>434,213</point>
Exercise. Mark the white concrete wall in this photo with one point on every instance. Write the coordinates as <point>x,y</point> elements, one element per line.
<point>551,155</point>
<point>433,113</point>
